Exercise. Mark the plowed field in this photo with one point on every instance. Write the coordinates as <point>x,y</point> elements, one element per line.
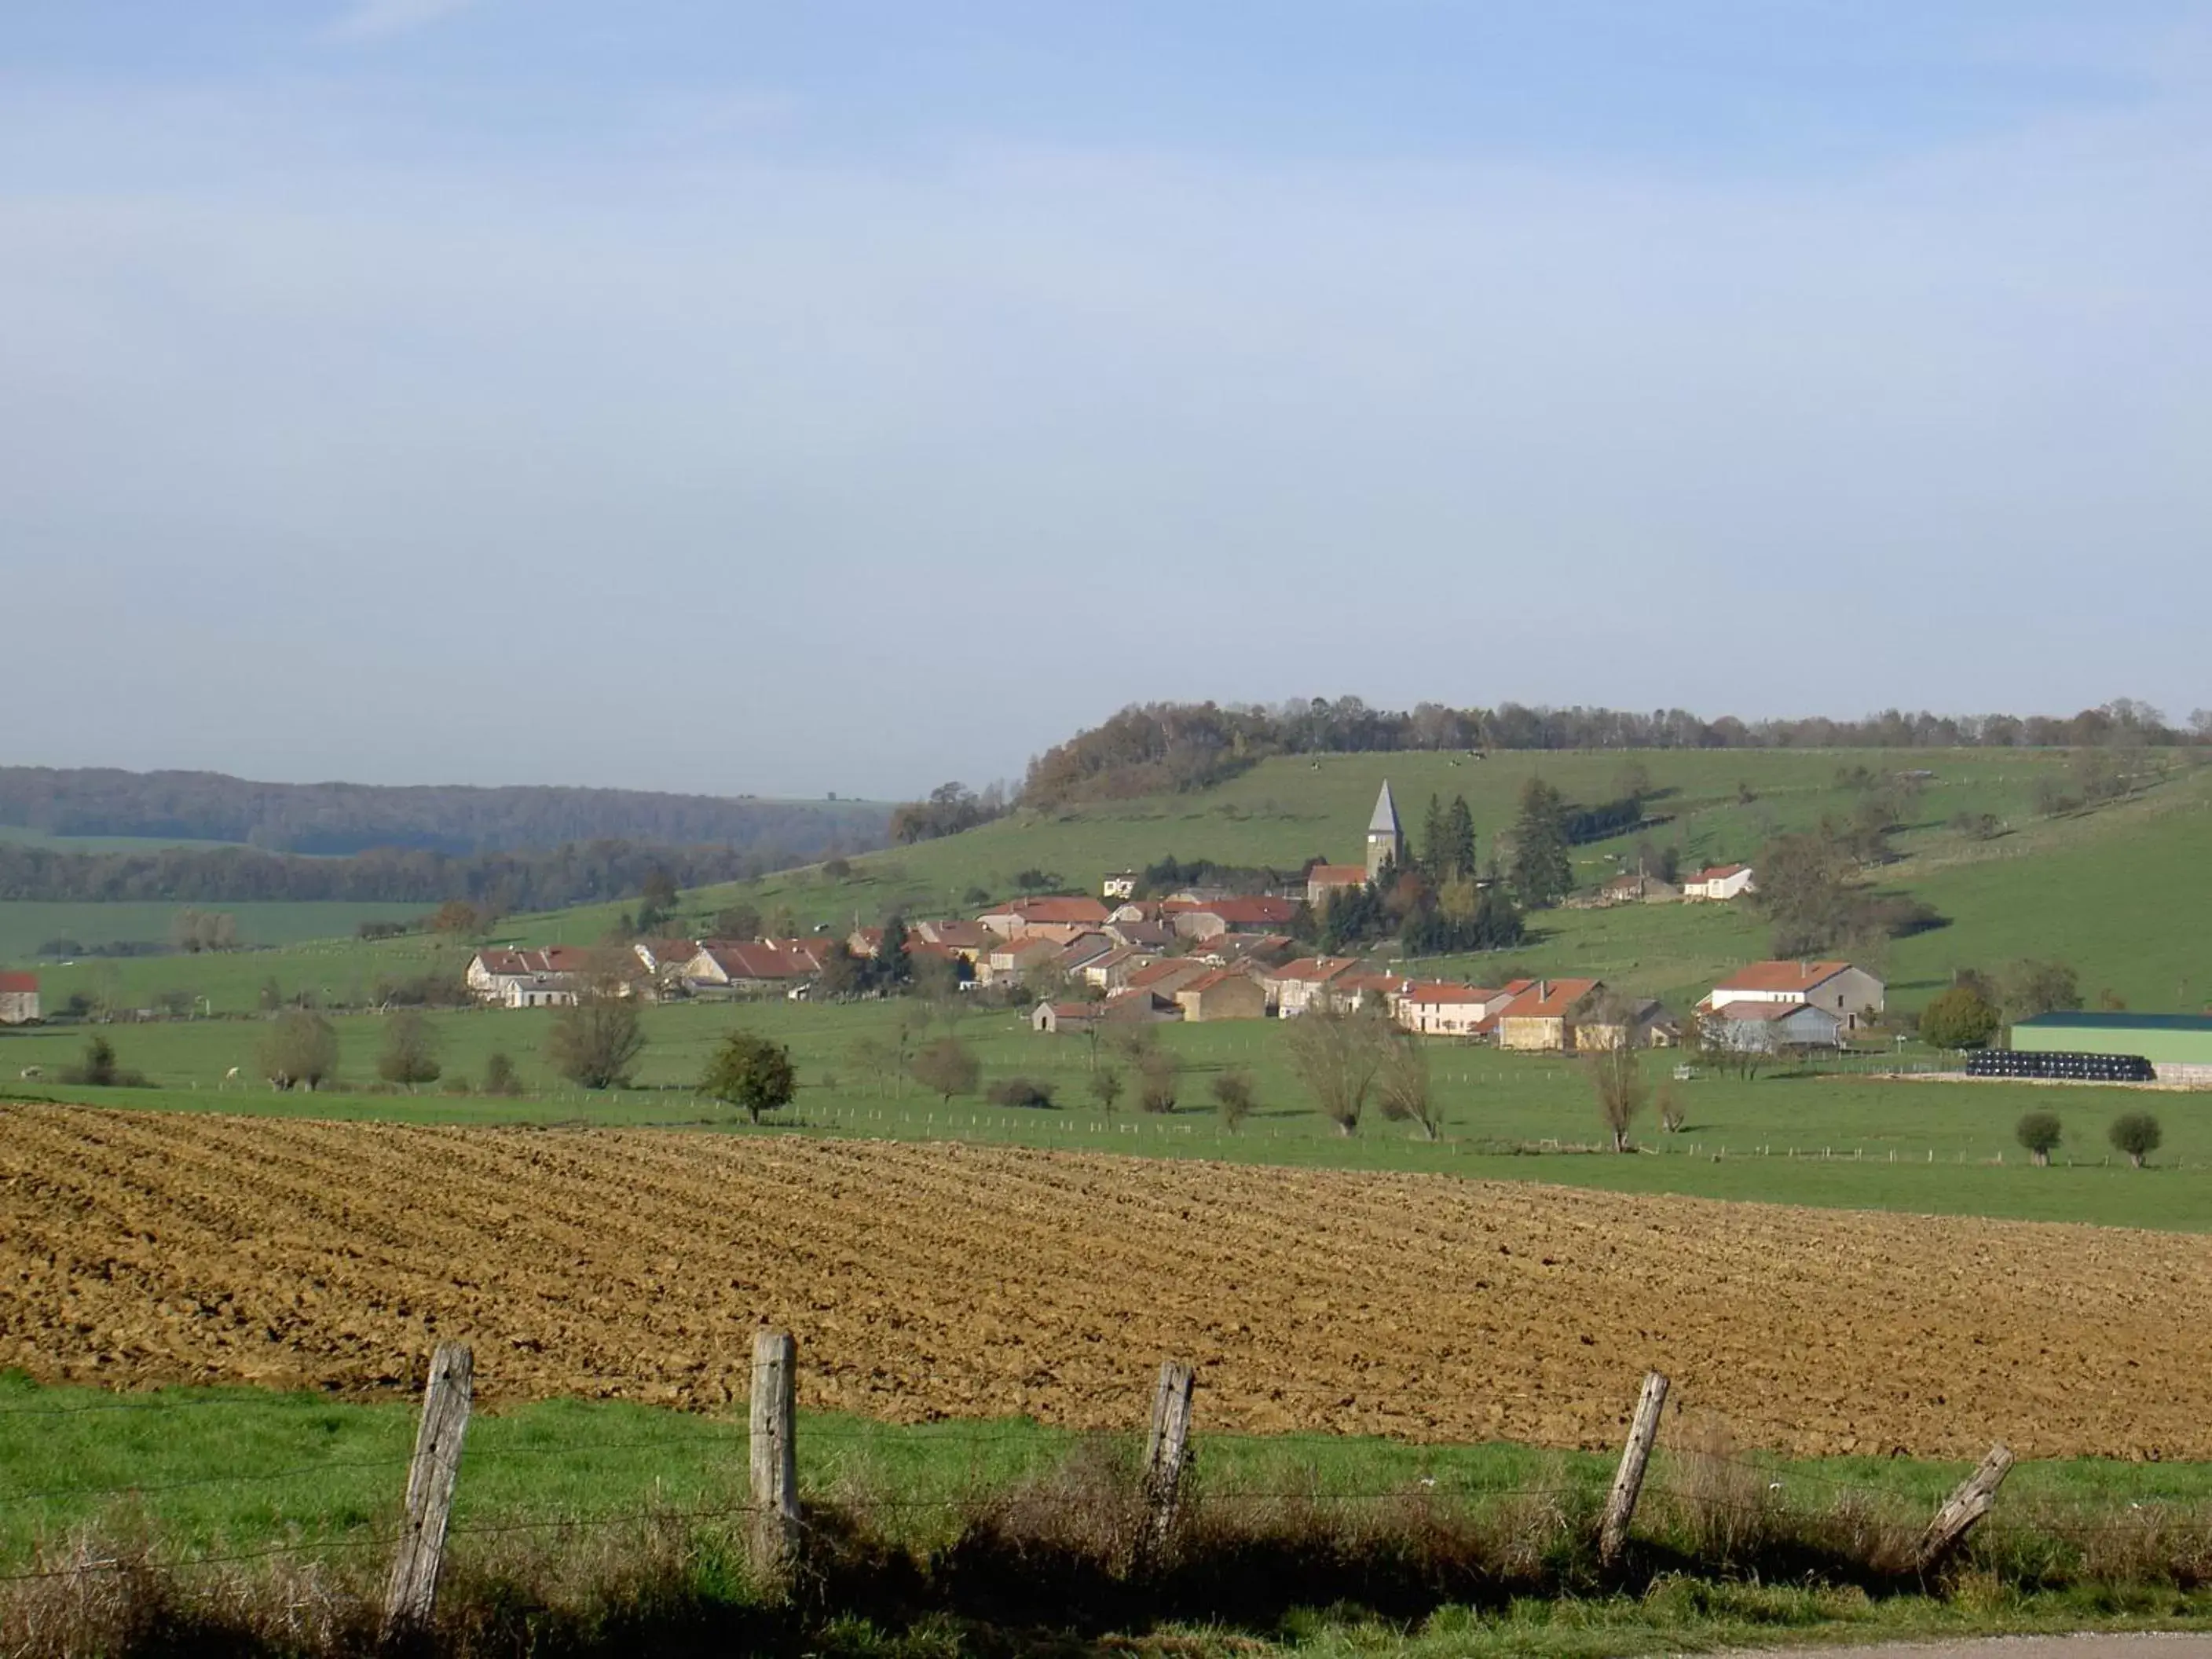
<point>928,1281</point>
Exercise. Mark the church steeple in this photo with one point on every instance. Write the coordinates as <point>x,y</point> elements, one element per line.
<point>1386,837</point>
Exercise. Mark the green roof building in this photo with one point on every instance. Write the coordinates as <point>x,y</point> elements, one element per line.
<point>2179,1045</point>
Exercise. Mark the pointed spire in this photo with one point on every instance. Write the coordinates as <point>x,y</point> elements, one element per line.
<point>1385,820</point>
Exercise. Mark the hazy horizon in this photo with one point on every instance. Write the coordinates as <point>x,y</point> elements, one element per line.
<point>729,398</point>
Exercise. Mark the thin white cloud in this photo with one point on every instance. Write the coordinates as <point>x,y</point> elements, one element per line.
<point>378,20</point>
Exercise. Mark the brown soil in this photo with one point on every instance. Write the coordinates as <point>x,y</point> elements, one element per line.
<point>945,1280</point>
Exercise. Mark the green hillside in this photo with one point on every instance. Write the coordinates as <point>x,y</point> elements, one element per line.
<point>2108,889</point>
<point>2116,890</point>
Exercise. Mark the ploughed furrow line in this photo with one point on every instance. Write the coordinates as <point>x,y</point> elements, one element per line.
<point>947,1280</point>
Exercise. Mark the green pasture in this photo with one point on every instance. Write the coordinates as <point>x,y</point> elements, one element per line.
<point>26,924</point>
<point>217,1469</point>
<point>1839,1138</point>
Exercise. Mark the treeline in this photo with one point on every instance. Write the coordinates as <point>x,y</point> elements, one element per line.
<point>1161,747</point>
<point>949,809</point>
<point>339,818</point>
<point>497,883</point>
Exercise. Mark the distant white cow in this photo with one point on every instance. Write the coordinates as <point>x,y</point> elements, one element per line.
<point>230,1076</point>
<point>31,1072</point>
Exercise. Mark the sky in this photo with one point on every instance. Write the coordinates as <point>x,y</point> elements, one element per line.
<point>733,396</point>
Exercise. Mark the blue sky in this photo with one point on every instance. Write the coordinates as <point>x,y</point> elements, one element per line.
<point>850,396</point>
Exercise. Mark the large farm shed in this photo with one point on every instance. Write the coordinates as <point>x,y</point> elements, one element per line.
<point>2177,1046</point>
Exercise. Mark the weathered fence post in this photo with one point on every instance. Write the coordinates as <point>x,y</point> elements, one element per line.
<point>1628,1480</point>
<point>774,1453</point>
<point>1166,1450</point>
<point>1976,1496</point>
<point>414,1586</point>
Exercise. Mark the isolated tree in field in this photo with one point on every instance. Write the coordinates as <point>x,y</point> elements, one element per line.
<point>751,1073</point>
<point>2039,1133</point>
<point>2137,1134</point>
<point>457,917</point>
<point>410,1051</point>
<point>1234,1097</point>
<point>1404,1086</point>
<point>1541,872</point>
<point>1158,1072</point>
<point>1621,1091</point>
<point>1805,887</point>
<point>2032,987</point>
<point>1336,1054</point>
<point>1960,1018</point>
<point>596,1042</point>
<point>300,1051</point>
<point>947,1066</point>
<point>98,1068</point>
<point>1672,1113</point>
<point>500,1077</point>
<point>1107,1084</point>
<point>1633,782</point>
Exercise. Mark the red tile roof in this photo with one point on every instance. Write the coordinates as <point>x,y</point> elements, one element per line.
<point>1798,977</point>
<point>19,984</point>
<point>1315,970</point>
<point>764,959</point>
<point>1720,872</point>
<point>1764,1011</point>
<point>1549,998</point>
<point>1442,991</point>
<point>1054,909</point>
<point>1145,978</point>
<point>1338,875</point>
<point>1250,912</point>
<point>553,959</point>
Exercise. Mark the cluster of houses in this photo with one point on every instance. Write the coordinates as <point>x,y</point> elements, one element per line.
<point>1717,883</point>
<point>1200,954</point>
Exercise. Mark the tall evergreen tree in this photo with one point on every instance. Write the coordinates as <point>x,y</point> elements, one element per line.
<point>894,967</point>
<point>1436,843</point>
<point>1542,873</point>
<point>1459,842</point>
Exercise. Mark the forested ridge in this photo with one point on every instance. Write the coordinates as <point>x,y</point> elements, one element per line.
<point>583,872</point>
<point>339,818</point>
<point>1161,748</point>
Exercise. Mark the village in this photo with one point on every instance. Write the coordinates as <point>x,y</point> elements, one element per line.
<point>1196,955</point>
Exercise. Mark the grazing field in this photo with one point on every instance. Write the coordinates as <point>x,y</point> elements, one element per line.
<point>949,1281</point>
<point>25,925</point>
<point>1859,1141</point>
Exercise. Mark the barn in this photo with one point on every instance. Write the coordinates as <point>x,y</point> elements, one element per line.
<point>2177,1046</point>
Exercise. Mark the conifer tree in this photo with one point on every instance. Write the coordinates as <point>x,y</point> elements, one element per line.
<point>1435,861</point>
<point>1459,843</point>
<point>1542,873</point>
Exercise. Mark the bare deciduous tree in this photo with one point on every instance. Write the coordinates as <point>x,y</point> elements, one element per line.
<point>1406,1097</point>
<point>1336,1054</point>
<point>1621,1091</point>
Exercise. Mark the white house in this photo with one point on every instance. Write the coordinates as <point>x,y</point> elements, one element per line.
<point>1852,995</point>
<point>1720,881</point>
<point>19,998</point>
<point>1436,1007</point>
<point>492,973</point>
<point>546,992</point>
<point>1121,884</point>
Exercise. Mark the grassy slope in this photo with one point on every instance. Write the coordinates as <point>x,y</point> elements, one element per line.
<point>26,924</point>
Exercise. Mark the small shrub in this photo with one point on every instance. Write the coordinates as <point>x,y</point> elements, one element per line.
<point>2039,1133</point>
<point>100,1069</point>
<point>2137,1134</point>
<point>1962,1017</point>
<point>1234,1097</point>
<point>1019,1091</point>
<point>500,1077</point>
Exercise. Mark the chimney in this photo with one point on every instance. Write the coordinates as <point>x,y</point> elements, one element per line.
<point>1543,990</point>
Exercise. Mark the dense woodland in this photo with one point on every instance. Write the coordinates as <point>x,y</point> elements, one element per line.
<point>497,883</point>
<point>1160,748</point>
<point>339,818</point>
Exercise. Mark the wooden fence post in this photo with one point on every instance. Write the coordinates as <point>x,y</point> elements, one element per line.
<point>437,1463</point>
<point>1166,1451</point>
<point>1976,1496</point>
<point>1628,1480</point>
<point>775,1453</point>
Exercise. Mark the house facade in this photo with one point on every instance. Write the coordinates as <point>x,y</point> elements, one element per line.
<point>1324,879</point>
<point>1720,881</point>
<point>492,975</point>
<point>1308,982</point>
<point>1121,884</point>
<point>1546,1018</point>
<point>1853,995</point>
<point>1442,1008</point>
<point>19,998</point>
<point>1061,917</point>
<point>1224,994</point>
<point>1069,1018</point>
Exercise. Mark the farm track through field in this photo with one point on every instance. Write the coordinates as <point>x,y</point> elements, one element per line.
<point>942,1280</point>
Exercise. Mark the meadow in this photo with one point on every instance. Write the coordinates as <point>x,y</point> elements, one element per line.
<point>27,924</point>
<point>1834,1137</point>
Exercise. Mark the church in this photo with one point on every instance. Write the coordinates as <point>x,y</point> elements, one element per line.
<point>1386,844</point>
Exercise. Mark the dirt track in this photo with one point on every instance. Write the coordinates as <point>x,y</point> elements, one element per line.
<point>938,1280</point>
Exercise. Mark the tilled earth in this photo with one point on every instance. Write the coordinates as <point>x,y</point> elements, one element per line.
<point>934,1280</point>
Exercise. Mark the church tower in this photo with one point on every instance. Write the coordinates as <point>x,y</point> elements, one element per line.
<point>1386,837</point>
